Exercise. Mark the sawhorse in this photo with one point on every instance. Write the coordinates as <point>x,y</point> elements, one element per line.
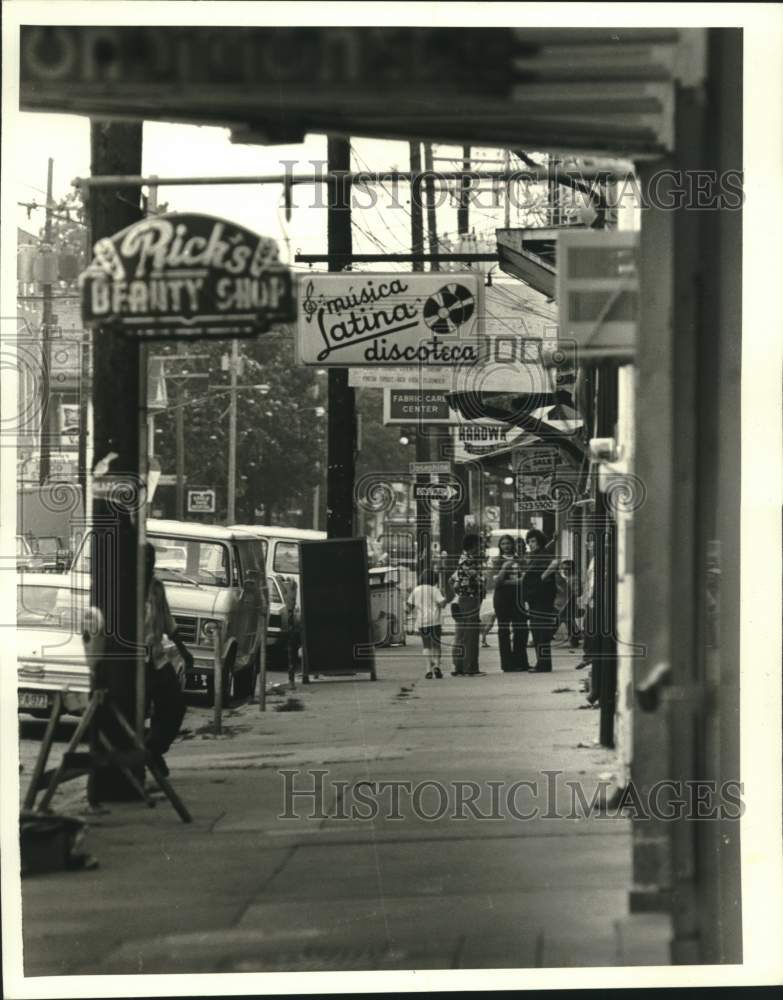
<point>75,764</point>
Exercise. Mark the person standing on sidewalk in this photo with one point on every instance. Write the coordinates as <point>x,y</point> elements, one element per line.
<point>587,604</point>
<point>468,583</point>
<point>565,604</point>
<point>164,690</point>
<point>427,601</point>
<point>507,567</point>
<point>539,591</point>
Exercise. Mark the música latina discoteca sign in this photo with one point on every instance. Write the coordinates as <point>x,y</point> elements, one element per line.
<point>187,276</point>
<point>389,319</point>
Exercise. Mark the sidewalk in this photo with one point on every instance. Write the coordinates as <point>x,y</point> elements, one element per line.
<point>242,890</point>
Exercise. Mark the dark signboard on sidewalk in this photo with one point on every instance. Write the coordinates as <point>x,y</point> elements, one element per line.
<point>337,633</point>
<point>187,276</point>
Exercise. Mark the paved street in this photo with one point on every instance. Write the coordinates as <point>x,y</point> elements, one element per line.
<point>243,890</point>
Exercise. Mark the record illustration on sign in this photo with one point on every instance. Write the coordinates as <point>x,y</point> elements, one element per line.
<point>447,310</point>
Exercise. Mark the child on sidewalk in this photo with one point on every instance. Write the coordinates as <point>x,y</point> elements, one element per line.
<point>427,601</point>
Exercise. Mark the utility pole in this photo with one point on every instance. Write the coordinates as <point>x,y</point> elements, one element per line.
<point>232,435</point>
<point>441,438</point>
<point>341,427</point>
<point>117,529</point>
<point>47,413</point>
<point>423,513</point>
<point>453,523</point>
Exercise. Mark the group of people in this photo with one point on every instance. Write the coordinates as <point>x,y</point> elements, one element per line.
<point>533,594</point>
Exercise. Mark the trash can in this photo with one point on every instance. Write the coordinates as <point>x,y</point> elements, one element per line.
<point>388,621</point>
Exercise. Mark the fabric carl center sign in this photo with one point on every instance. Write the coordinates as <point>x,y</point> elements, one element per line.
<point>187,276</point>
<point>389,319</point>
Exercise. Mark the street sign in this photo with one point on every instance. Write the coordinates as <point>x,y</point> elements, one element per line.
<point>435,491</point>
<point>389,319</point>
<point>201,501</point>
<point>187,276</point>
<point>430,468</point>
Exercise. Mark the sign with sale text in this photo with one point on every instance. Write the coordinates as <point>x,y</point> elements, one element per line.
<point>389,319</point>
<point>187,276</point>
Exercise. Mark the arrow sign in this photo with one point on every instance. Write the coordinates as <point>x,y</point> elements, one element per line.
<point>424,491</point>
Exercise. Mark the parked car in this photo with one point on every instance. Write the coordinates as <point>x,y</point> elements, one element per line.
<point>52,617</point>
<point>214,579</point>
<point>26,557</point>
<point>54,553</point>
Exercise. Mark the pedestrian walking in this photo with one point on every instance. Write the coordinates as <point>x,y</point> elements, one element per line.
<point>539,591</point>
<point>508,570</point>
<point>427,602</point>
<point>468,584</point>
<point>168,658</point>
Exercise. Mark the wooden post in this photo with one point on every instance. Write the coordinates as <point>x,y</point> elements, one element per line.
<point>217,681</point>
<point>262,661</point>
<point>119,413</point>
<point>423,514</point>
<point>341,426</point>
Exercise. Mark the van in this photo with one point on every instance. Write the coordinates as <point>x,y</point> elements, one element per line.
<point>282,549</point>
<point>214,579</point>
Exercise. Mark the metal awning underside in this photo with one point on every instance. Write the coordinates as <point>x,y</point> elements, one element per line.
<point>591,90</point>
<point>531,256</point>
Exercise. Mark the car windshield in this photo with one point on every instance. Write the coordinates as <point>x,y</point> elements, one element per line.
<point>23,547</point>
<point>48,545</point>
<point>51,607</point>
<point>191,561</point>
<point>286,557</point>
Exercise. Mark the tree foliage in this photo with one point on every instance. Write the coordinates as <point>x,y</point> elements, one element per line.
<point>280,436</point>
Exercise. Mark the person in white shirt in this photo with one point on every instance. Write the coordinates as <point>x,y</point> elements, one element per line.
<point>427,601</point>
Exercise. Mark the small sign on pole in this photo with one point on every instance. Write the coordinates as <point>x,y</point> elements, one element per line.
<point>436,491</point>
<point>430,468</point>
<point>201,501</point>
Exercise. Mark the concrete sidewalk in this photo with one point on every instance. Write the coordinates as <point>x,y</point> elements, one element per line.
<point>242,890</point>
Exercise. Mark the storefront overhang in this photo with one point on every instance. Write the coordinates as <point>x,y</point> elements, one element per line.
<point>591,90</point>
<point>530,258</point>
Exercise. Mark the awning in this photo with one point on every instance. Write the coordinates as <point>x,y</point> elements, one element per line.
<point>523,263</point>
<point>548,417</point>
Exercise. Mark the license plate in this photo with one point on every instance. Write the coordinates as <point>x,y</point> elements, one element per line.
<point>33,699</point>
